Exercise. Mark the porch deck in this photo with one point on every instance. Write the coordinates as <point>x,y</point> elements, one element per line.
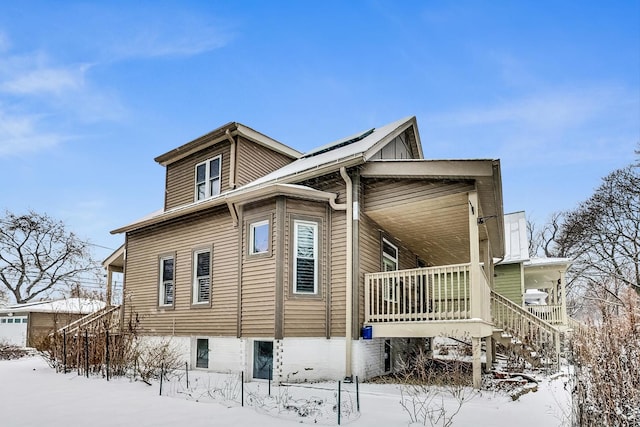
<point>428,301</point>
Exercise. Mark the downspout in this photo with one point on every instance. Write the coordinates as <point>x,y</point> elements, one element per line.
<point>232,161</point>
<point>349,274</point>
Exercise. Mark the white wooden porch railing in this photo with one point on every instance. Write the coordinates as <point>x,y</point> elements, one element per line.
<point>553,314</point>
<point>107,318</point>
<point>523,325</point>
<point>449,292</point>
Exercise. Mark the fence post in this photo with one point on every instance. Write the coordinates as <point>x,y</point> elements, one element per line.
<point>64,350</point>
<point>357,395</point>
<point>241,388</point>
<point>339,398</point>
<point>107,352</point>
<point>86,353</point>
<point>161,375</point>
<point>186,369</point>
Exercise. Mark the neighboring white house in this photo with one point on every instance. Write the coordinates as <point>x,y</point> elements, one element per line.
<point>21,324</point>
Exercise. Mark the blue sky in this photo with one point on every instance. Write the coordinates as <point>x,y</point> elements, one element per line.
<point>90,93</point>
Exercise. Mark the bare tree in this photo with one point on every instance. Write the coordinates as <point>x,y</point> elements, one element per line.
<point>602,237</point>
<point>39,256</point>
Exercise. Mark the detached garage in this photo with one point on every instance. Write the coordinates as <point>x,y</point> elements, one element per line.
<point>24,324</point>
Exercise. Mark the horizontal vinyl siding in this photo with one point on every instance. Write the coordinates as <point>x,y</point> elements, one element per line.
<point>42,324</point>
<point>180,176</point>
<point>338,273</point>
<point>212,227</point>
<point>305,316</point>
<point>258,278</point>
<point>255,161</point>
<point>508,282</point>
<point>382,193</point>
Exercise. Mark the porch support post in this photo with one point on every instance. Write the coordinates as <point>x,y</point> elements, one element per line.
<point>563,298</point>
<point>488,343</point>
<point>109,285</point>
<point>474,257</point>
<point>476,364</point>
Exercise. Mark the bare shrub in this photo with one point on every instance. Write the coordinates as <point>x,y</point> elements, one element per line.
<point>9,351</point>
<point>433,391</point>
<point>606,379</point>
<point>150,359</point>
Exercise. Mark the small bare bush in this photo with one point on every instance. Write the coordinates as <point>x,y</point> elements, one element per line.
<point>433,392</point>
<point>606,380</point>
<point>153,358</point>
<point>9,351</point>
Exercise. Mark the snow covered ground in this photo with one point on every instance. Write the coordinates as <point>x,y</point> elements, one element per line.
<point>32,394</point>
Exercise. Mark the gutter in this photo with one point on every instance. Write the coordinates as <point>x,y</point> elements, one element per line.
<point>349,274</point>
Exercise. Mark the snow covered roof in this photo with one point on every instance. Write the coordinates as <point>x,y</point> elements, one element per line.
<point>359,147</point>
<point>544,262</point>
<point>68,305</point>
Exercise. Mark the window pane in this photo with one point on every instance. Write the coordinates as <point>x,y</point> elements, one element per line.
<point>204,290</point>
<point>201,191</point>
<point>201,172</point>
<point>214,168</point>
<point>167,269</point>
<point>168,293</point>
<point>203,263</point>
<point>260,242</point>
<point>262,359</point>
<point>214,186</point>
<point>305,275</point>
<point>202,353</point>
<point>305,241</point>
<point>388,249</point>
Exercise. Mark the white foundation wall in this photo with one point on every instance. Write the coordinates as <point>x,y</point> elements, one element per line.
<point>225,354</point>
<point>310,359</point>
<point>368,358</point>
<point>294,359</point>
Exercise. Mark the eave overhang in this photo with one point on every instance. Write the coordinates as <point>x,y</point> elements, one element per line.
<point>231,199</point>
<point>220,134</point>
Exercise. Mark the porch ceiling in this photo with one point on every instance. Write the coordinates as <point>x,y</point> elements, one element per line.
<point>436,229</point>
<point>446,230</point>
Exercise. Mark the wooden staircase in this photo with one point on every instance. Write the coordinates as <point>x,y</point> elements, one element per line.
<point>106,319</point>
<point>536,340</point>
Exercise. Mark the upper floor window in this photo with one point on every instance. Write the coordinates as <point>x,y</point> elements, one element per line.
<point>259,237</point>
<point>166,285</point>
<point>305,263</point>
<point>208,178</point>
<point>202,276</point>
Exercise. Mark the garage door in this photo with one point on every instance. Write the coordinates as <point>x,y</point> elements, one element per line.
<point>13,330</point>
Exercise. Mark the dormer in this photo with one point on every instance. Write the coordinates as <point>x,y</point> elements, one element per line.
<point>220,161</point>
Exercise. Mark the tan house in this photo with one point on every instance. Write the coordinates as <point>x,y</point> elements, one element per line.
<point>24,325</point>
<point>320,265</point>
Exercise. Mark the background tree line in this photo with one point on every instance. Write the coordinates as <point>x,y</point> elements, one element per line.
<point>602,237</point>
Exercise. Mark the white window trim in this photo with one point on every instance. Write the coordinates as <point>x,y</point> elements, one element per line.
<point>195,285</point>
<point>163,283</point>
<point>389,285</point>
<point>314,225</point>
<point>252,228</point>
<point>207,178</point>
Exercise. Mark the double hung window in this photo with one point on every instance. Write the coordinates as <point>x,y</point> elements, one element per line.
<point>208,178</point>
<point>202,276</point>
<point>305,262</point>
<point>166,285</point>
